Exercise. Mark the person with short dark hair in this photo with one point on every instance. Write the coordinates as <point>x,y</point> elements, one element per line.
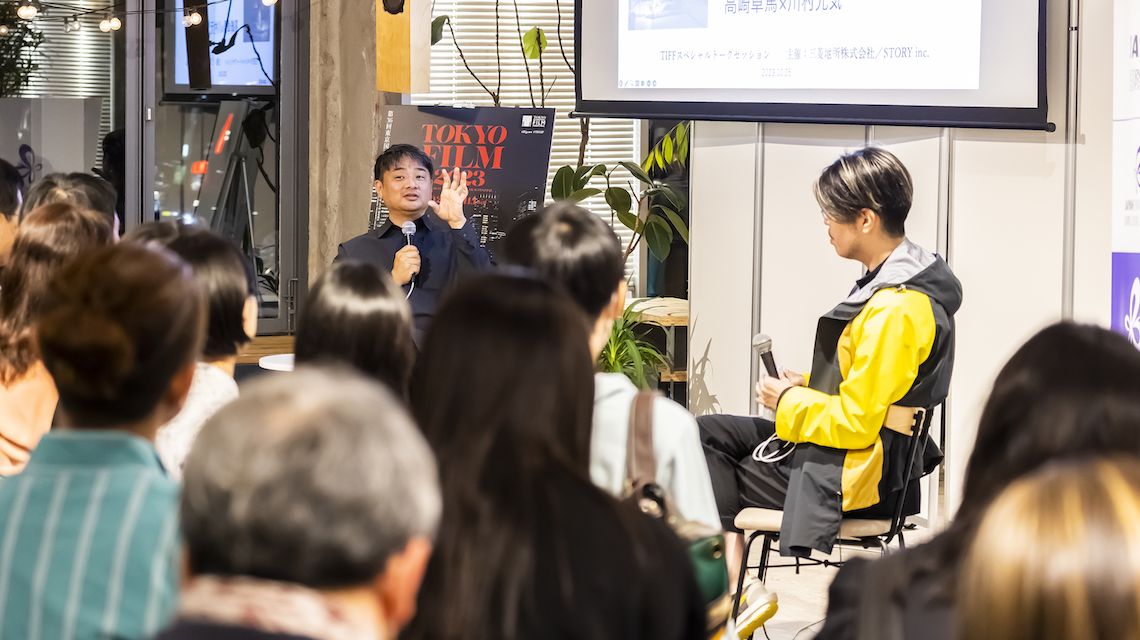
<point>48,238</point>
<point>883,358</point>
<point>1071,392</point>
<point>445,246</point>
<point>10,197</point>
<point>80,189</point>
<point>528,546</point>
<point>89,541</point>
<point>356,315</point>
<point>573,248</point>
<point>226,277</point>
<point>309,508</point>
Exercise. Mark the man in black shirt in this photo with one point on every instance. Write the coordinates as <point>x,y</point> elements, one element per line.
<point>445,246</point>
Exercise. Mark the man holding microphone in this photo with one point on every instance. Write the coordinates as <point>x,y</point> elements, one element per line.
<point>427,246</point>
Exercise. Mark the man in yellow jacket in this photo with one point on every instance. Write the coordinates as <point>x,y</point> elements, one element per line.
<point>881,355</point>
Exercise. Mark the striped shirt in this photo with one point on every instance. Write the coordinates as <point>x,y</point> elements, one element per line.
<point>88,540</point>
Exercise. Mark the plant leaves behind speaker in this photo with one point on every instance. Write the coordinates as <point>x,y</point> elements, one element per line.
<point>394,7</point>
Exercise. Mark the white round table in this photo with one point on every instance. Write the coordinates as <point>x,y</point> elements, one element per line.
<point>278,362</point>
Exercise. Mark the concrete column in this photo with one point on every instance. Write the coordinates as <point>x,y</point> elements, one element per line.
<point>344,109</point>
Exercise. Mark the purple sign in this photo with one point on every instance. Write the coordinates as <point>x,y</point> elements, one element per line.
<point>1126,295</point>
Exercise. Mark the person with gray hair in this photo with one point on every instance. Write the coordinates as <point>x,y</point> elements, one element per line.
<point>309,506</point>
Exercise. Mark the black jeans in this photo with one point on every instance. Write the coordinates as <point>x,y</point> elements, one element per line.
<point>738,480</point>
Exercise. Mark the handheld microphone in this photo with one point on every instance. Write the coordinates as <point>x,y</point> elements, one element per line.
<point>762,345</point>
<point>409,230</point>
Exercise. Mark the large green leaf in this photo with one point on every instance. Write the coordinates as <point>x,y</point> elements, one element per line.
<point>619,199</point>
<point>637,172</point>
<point>659,237</point>
<point>437,28</point>
<point>678,222</point>
<point>673,197</point>
<point>563,184</point>
<point>667,148</point>
<point>582,194</point>
<point>631,221</point>
<point>534,43</point>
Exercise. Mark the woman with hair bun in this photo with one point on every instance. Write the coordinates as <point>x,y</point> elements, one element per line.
<point>47,238</point>
<point>90,533</point>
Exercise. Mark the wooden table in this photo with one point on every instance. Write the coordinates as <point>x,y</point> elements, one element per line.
<point>265,346</point>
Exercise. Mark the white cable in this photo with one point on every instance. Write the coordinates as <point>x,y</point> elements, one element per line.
<point>783,450</point>
<point>412,289</point>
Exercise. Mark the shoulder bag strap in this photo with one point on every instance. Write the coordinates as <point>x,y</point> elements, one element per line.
<point>640,462</point>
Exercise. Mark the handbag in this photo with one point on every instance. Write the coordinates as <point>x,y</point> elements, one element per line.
<point>705,544</point>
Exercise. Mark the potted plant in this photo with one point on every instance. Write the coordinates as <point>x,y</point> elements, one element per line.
<point>627,353</point>
<point>18,43</point>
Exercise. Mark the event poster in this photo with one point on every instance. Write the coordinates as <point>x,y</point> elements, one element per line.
<point>1126,170</point>
<point>504,150</point>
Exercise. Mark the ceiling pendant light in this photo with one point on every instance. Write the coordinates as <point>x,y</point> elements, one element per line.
<point>29,9</point>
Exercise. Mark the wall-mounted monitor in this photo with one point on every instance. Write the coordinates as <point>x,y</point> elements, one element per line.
<point>234,72</point>
<point>966,63</point>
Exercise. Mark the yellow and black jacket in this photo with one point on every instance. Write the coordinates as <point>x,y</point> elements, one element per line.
<point>890,343</point>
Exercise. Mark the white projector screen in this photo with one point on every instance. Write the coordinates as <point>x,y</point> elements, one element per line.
<point>962,63</point>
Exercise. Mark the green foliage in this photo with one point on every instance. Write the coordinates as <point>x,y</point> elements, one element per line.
<point>534,43</point>
<point>17,49</point>
<point>628,354</point>
<point>660,219</point>
<point>437,28</point>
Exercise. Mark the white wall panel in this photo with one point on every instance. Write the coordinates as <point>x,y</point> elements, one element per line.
<point>722,247</point>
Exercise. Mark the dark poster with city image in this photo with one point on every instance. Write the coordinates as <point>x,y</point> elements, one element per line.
<point>505,152</point>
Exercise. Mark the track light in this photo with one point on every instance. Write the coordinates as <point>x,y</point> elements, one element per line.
<point>116,24</point>
<point>28,9</point>
<point>105,25</point>
<point>269,3</point>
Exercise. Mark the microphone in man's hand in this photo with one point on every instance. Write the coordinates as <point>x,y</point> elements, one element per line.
<point>409,229</point>
<point>762,344</point>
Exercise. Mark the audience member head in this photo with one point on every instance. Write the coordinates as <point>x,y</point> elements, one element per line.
<point>1057,556</point>
<point>504,393</point>
<point>226,278</point>
<point>865,197</point>
<point>160,232</point>
<point>403,176</point>
<point>567,245</point>
<point>356,315</point>
<point>79,189</point>
<point>120,331</point>
<point>48,237</point>
<point>10,198</point>
<point>1071,391</point>
<point>316,478</point>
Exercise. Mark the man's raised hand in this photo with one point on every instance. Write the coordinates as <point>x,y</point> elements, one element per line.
<point>451,198</point>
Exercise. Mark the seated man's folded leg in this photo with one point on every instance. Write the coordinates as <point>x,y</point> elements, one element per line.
<point>738,480</point>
